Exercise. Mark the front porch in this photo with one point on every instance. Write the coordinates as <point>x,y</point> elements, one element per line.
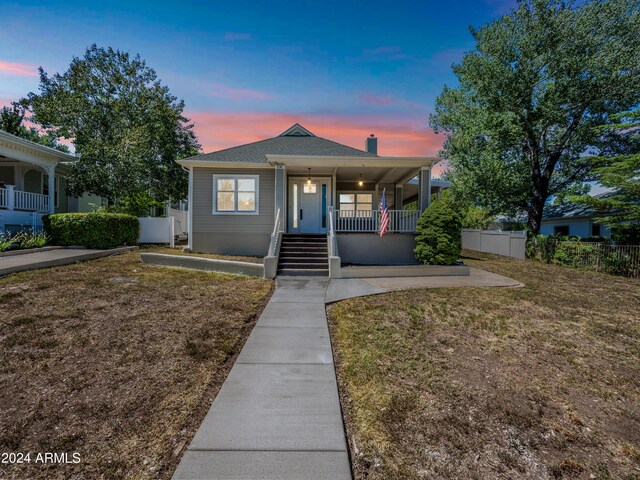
<point>31,182</point>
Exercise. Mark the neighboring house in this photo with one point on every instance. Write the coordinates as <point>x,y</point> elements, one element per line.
<point>305,185</point>
<point>572,219</point>
<point>34,178</point>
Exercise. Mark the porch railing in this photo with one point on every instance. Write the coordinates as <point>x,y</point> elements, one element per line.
<point>35,202</point>
<point>400,221</point>
<point>18,200</point>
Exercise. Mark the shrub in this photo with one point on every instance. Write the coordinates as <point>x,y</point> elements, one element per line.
<point>92,230</point>
<point>439,239</point>
<point>22,240</point>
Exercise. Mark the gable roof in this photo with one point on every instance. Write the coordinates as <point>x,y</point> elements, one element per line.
<point>572,210</point>
<point>296,140</point>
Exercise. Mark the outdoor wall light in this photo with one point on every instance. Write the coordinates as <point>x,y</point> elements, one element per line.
<point>360,181</point>
<point>309,178</point>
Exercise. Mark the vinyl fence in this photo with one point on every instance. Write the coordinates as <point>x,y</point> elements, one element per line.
<point>157,230</point>
<point>508,244</point>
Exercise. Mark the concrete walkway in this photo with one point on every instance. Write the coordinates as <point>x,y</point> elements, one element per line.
<point>54,258</point>
<point>341,289</point>
<point>277,416</point>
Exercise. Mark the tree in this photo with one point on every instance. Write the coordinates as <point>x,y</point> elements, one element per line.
<point>438,239</point>
<point>126,126</point>
<point>11,121</point>
<point>617,167</point>
<point>529,96</point>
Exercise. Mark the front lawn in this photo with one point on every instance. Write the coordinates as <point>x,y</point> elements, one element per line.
<point>516,383</point>
<point>115,360</point>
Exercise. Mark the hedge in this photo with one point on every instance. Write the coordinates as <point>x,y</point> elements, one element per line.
<point>92,230</point>
<point>439,236</point>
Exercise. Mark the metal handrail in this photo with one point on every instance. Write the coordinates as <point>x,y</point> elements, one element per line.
<point>332,242</point>
<point>275,237</point>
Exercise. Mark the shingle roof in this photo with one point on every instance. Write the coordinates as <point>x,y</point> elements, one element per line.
<point>571,210</point>
<point>291,142</point>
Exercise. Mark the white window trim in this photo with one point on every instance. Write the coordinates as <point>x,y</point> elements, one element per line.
<point>214,202</point>
<point>355,199</point>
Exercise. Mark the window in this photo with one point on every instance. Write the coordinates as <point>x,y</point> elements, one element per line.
<point>595,230</point>
<point>235,194</point>
<point>561,230</point>
<point>356,201</point>
<point>310,188</point>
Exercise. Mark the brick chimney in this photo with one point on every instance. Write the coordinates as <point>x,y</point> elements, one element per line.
<point>371,144</point>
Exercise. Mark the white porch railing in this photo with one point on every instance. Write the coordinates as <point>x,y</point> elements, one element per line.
<point>4,198</point>
<point>34,202</point>
<point>368,220</point>
<point>11,199</point>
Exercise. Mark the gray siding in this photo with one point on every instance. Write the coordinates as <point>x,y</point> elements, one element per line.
<point>370,249</point>
<point>232,234</point>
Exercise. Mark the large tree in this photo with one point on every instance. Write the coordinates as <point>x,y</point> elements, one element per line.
<point>529,96</point>
<point>126,126</point>
<point>617,167</point>
<point>12,121</point>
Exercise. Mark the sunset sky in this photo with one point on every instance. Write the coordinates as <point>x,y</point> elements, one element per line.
<point>249,70</point>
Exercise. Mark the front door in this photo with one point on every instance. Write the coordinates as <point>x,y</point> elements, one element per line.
<point>308,204</point>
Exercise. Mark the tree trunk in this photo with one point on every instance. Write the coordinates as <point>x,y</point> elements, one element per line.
<point>534,211</point>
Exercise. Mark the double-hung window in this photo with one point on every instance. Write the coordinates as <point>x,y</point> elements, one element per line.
<point>235,194</point>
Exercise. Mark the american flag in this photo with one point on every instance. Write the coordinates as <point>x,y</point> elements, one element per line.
<point>384,214</point>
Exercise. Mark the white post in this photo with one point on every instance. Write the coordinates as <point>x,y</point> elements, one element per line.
<point>51,171</point>
<point>11,198</point>
<point>172,231</point>
<point>190,212</point>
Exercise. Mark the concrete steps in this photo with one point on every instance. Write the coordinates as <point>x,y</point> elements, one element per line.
<point>303,255</point>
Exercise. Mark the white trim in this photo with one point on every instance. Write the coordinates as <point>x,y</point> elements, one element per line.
<point>343,161</point>
<point>235,177</point>
<point>190,163</point>
<point>190,211</point>
<point>27,147</point>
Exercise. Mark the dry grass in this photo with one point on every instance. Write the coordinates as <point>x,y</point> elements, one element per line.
<point>516,383</point>
<point>180,251</point>
<point>116,360</point>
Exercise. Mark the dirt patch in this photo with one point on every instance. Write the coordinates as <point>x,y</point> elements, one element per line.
<point>117,361</point>
<point>535,382</point>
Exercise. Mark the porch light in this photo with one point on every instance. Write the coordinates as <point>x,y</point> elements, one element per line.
<point>309,178</point>
<point>360,181</point>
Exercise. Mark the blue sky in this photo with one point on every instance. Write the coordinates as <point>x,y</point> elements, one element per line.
<point>247,70</point>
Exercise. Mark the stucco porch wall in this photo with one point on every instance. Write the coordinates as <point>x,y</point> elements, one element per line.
<point>371,249</point>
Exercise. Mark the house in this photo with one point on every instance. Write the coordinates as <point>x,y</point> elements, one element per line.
<point>296,192</point>
<point>34,179</point>
<point>572,219</point>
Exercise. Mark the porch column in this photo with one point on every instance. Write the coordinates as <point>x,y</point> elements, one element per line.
<point>11,197</point>
<point>399,198</point>
<point>424,189</point>
<point>281,194</point>
<point>51,172</point>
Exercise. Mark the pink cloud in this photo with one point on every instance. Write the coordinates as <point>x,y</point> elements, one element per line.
<point>387,100</point>
<point>396,136</point>
<point>20,69</point>
<point>238,94</point>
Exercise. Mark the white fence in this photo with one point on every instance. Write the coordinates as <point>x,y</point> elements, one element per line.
<point>508,244</point>
<point>181,220</point>
<point>369,220</point>
<point>157,230</point>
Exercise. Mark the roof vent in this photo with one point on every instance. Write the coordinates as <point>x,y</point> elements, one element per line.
<point>371,144</point>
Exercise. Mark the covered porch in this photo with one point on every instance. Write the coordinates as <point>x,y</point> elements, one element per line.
<point>30,182</point>
<point>343,194</point>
